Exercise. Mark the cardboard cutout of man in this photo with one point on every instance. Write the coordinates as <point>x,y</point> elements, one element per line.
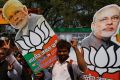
<point>17,15</point>
<point>100,53</point>
<point>35,36</point>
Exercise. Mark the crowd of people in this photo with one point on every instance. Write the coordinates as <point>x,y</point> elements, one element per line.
<point>17,15</point>
<point>14,67</point>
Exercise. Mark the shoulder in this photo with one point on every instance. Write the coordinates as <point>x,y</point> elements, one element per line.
<point>88,38</point>
<point>73,63</point>
<point>34,15</point>
<point>76,69</point>
<point>54,65</point>
<point>87,41</point>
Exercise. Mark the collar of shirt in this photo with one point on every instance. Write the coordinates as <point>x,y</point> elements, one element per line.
<point>25,30</point>
<point>68,60</point>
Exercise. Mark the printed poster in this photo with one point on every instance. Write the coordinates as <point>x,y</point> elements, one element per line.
<point>39,46</point>
<point>102,56</point>
<point>102,63</point>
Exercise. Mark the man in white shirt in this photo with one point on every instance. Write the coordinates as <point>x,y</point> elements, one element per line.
<point>60,69</point>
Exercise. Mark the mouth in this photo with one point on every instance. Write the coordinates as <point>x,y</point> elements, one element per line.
<point>17,23</point>
<point>109,29</point>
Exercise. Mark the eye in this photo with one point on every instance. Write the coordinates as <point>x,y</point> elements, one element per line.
<point>14,14</point>
<point>115,17</point>
<point>103,19</point>
<point>10,17</point>
<point>17,12</point>
<point>61,51</point>
<point>58,51</point>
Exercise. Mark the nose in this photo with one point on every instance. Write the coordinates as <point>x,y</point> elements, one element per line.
<point>109,22</point>
<point>62,53</point>
<point>16,18</point>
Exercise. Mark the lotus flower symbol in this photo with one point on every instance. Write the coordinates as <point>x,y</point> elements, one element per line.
<point>103,60</point>
<point>36,39</point>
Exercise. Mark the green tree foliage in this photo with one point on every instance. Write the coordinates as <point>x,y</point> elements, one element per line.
<point>68,13</point>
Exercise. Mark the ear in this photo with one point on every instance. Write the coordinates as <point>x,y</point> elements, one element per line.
<point>92,26</point>
<point>25,9</point>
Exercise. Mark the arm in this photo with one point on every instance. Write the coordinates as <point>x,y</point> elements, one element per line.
<point>80,59</point>
<point>12,73</point>
<point>17,66</point>
<point>11,59</point>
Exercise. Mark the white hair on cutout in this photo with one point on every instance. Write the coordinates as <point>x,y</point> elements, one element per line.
<point>105,7</point>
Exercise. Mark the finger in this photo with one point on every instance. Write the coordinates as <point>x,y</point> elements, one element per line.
<point>12,62</point>
<point>5,42</point>
<point>8,43</point>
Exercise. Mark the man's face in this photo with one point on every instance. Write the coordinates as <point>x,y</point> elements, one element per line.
<point>2,55</point>
<point>63,54</point>
<point>18,18</point>
<point>106,22</point>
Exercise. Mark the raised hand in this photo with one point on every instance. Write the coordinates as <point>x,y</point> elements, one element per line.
<point>10,66</point>
<point>6,44</point>
<point>74,42</point>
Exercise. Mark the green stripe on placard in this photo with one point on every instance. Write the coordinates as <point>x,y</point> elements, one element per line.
<point>32,62</point>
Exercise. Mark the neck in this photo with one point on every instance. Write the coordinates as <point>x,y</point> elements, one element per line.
<point>62,61</point>
<point>102,38</point>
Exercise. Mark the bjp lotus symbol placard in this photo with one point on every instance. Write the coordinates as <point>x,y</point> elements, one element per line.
<point>39,47</point>
<point>103,60</point>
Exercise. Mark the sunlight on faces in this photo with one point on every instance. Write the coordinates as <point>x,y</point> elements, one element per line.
<point>106,22</point>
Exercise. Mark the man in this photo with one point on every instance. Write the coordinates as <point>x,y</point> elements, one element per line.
<point>104,25</point>
<point>17,15</point>
<point>8,62</point>
<point>60,69</point>
<point>100,52</point>
<point>3,66</point>
<point>8,70</point>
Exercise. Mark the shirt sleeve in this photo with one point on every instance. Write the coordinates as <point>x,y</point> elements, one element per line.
<point>17,66</point>
<point>13,75</point>
<point>77,72</point>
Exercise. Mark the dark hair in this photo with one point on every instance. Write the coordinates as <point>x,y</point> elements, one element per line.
<point>1,43</point>
<point>63,44</point>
